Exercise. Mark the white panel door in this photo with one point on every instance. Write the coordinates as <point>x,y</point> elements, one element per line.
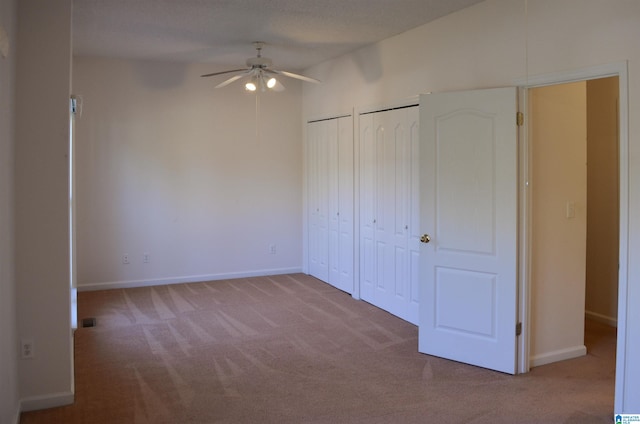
<point>340,178</point>
<point>412,298</point>
<point>318,200</point>
<point>388,140</point>
<point>367,207</point>
<point>333,200</point>
<point>330,201</point>
<point>322,157</point>
<point>345,195</point>
<point>468,183</point>
<point>312,193</point>
<point>389,219</point>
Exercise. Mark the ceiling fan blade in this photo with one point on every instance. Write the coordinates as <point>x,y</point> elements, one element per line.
<point>230,80</point>
<point>223,72</point>
<point>298,76</point>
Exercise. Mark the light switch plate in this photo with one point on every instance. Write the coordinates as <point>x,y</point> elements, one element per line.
<point>571,210</point>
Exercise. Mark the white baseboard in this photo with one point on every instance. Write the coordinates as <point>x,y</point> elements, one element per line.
<point>185,279</point>
<point>53,400</point>
<point>613,322</point>
<point>558,355</point>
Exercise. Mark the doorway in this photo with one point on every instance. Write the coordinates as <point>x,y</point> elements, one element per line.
<point>603,201</point>
<point>526,299</point>
<point>575,218</point>
<point>575,209</point>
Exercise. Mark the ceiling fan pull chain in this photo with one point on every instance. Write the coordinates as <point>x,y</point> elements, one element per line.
<point>257,117</point>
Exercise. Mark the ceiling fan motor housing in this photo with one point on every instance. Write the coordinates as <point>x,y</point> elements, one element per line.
<point>259,62</point>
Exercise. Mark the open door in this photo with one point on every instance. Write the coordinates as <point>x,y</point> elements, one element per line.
<point>468,212</point>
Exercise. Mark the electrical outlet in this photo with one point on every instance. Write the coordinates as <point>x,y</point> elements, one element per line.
<point>125,258</point>
<point>272,249</point>
<point>27,350</point>
<point>146,258</point>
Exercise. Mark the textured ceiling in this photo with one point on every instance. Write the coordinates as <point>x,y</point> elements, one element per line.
<point>297,33</point>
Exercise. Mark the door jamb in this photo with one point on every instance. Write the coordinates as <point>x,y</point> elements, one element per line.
<point>614,69</point>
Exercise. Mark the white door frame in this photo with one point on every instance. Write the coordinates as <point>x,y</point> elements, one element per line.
<point>615,69</point>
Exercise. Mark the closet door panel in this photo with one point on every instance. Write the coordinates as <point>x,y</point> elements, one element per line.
<point>346,197</point>
<point>312,193</point>
<point>401,207</point>
<point>333,205</point>
<point>367,200</point>
<point>318,199</point>
<point>330,203</point>
<point>385,209</point>
<point>413,200</point>
<point>323,202</point>
<point>388,211</point>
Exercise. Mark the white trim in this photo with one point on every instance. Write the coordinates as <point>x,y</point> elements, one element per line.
<point>356,204</point>
<point>584,74</point>
<point>52,400</point>
<point>558,355</point>
<point>355,210</point>
<point>623,253</point>
<point>305,197</point>
<point>408,101</point>
<point>185,279</point>
<point>524,229</point>
<point>16,417</point>
<point>619,69</point>
<point>327,117</point>
<point>604,319</point>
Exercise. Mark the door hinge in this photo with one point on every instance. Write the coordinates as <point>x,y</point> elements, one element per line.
<point>518,329</point>
<point>519,118</point>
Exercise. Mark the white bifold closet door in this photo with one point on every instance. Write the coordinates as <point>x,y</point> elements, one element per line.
<point>318,187</point>
<point>389,211</point>
<point>330,191</point>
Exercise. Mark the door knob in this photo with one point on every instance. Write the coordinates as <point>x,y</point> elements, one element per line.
<point>425,238</point>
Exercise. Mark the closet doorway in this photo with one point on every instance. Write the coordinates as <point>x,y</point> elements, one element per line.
<point>575,212</point>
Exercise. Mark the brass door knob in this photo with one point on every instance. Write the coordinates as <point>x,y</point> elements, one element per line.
<point>425,238</point>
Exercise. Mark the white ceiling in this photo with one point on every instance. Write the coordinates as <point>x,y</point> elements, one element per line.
<point>298,33</point>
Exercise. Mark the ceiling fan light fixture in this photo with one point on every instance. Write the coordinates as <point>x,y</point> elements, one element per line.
<point>260,82</point>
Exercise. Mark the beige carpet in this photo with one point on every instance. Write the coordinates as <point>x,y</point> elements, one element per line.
<point>291,349</point>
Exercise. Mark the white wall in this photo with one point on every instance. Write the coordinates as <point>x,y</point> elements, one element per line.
<point>558,142</point>
<point>41,200</point>
<point>498,43</point>
<point>9,405</point>
<point>168,166</point>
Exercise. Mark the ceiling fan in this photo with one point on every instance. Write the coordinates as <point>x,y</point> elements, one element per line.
<point>261,76</point>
